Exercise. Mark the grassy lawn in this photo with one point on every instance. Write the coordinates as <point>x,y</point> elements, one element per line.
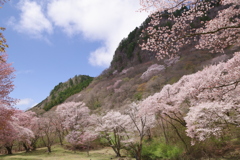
<point>58,153</point>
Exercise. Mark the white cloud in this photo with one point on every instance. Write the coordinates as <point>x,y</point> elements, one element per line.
<point>26,101</point>
<point>25,104</point>
<point>32,19</point>
<point>108,20</point>
<point>100,57</point>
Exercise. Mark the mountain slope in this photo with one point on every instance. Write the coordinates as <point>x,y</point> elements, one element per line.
<point>135,74</point>
<point>62,91</point>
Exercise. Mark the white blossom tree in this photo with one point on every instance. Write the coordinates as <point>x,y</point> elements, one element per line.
<point>210,97</point>
<point>168,35</point>
<point>112,127</point>
<point>138,128</point>
<point>77,120</point>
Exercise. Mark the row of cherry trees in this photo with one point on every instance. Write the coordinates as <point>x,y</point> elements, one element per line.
<point>204,103</point>
<point>120,130</point>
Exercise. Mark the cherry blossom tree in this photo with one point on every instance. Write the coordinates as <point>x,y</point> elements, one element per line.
<point>170,106</point>
<point>24,120</point>
<point>168,35</point>
<point>46,132</point>
<point>77,138</point>
<point>210,94</point>
<point>138,128</point>
<point>6,86</point>
<point>8,132</point>
<point>215,102</point>
<point>78,122</point>
<point>36,131</point>
<point>205,102</point>
<point>15,129</point>
<point>112,127</point>
<point>6,73</point>
<point>75,114</point>
<point>5,116</point>
<point>58,121</point>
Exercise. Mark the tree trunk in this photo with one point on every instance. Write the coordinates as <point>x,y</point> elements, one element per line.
<point>34,143</point>
<point>60,137</point>
<point>34,147</point>
<point>164,131</point>
<point>9,149</point>
<point>139,152</point>
<point>49,149</point>
<point>26,147</point>
<point>88,148</point>
<point>116,151</point>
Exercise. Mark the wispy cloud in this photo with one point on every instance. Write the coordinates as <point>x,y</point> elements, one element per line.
<point>32,20</point>
<point>24,72</point>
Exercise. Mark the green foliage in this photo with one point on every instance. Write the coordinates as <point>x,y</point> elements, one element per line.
<point>192,25</point>
<point>165,14</point>
<point>62,91</point>
<point>117,58</point>
<point>126,41</point>
<point>137,96</point>
<point>205,18</point>
<point>145,23</point>
<point>173,80</point>
<point>127,45</point>
<point>130,49</point>
<point>56,88</point>
<point>94,102</point>
<point>71,82</point>
<point>126,79</point>
<point>179,12</point>
<point>155,150</point>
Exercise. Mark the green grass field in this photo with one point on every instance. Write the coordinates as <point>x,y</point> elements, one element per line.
<point>58,153</point>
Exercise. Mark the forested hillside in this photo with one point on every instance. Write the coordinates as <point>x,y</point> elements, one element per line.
<point>62,91</point>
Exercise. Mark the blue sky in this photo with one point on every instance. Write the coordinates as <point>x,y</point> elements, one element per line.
<point>51,41</point>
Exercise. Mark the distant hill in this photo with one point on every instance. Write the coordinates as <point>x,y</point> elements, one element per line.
<point>62,91</point>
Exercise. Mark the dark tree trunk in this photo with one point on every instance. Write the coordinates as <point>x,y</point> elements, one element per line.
<point>33,143</point>
<point>9,149</point>
<point>26,147</point>
<point>49,149</point>
<point>118,154</point>
<point>60,139</point>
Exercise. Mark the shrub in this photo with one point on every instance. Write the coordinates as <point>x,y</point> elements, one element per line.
<point>137,96</point>
<point>156,150</point>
